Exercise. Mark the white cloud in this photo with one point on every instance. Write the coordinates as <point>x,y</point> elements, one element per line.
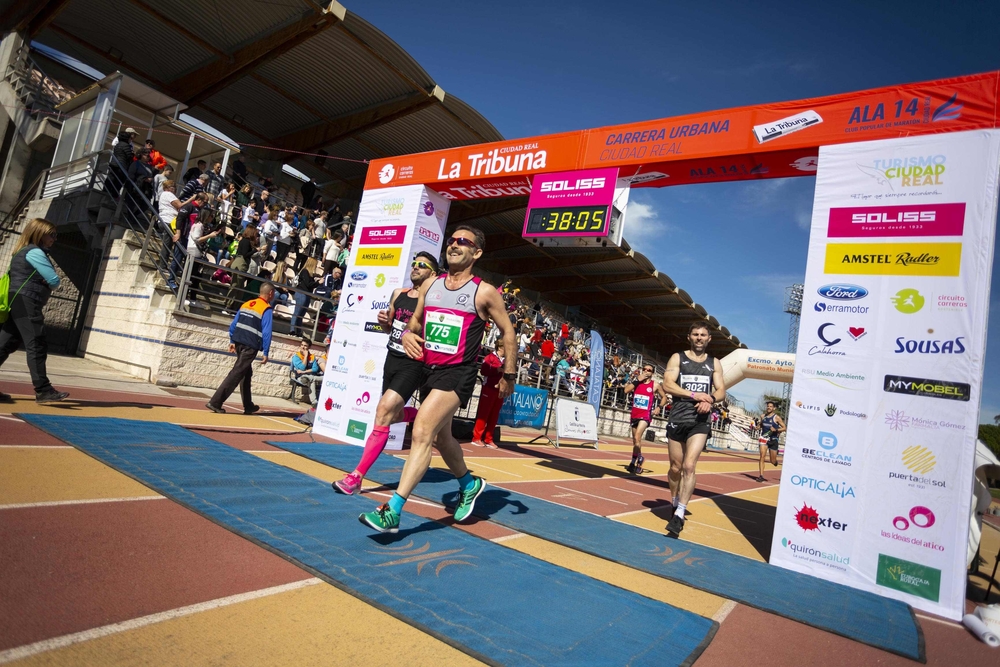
<point>643,223</point>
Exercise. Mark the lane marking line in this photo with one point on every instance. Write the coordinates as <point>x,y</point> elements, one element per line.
<point>12,419</point>
<point>45,645</point>
<point>591,495</point>
<point>647,509</point>
<point>267,451</point>
<point>37,447</point>
<point>418,501</point>
<point>732,493</point>
<point>505,538</point>
<point>498,470</point>
<point>89,501</point>
<point>634,493</point>
<point>942,621</point>
<point>724,611</point>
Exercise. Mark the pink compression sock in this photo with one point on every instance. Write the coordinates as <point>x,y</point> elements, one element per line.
<point>409,414</point>
<point>373,447</point>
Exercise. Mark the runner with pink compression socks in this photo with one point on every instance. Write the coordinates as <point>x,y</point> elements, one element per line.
<point>401,376</point>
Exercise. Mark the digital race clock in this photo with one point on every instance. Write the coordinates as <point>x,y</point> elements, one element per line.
<point>575,208</point>
<point>568,220</point>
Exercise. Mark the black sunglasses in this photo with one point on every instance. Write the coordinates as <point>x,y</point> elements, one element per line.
<point>462,242</point>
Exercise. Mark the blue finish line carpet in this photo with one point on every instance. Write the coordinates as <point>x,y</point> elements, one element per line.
<point>859,615</point>
<point>493,603</point>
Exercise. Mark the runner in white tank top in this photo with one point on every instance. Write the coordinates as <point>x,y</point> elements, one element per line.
<point>445,331</point>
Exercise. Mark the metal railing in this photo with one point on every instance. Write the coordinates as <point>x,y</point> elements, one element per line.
<point>296,312</point>
<point>39,93</point>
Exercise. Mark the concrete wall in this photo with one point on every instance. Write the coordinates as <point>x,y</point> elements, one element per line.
<point>133,327</point>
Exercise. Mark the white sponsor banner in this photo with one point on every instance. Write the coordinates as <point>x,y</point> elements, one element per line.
<point>393,224</point>
<point>885,402</point>
<point>576,420</point>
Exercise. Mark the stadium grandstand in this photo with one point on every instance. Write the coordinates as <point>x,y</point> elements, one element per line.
<point>329,92</point>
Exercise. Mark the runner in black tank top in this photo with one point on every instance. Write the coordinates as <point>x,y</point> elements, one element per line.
<point>771,426</point>
<point>401,376</point>
<point>694,379</point>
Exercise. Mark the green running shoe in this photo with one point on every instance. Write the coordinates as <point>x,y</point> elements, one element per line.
<point>383,519</point>
<point>467,499</point>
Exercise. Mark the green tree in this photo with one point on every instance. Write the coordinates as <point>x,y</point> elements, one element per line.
<point>990,434</point>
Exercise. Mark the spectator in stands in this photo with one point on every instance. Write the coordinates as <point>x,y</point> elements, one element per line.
<point>349,221</point>
<point>186,216</point>
<point>243,195</point>
<point>213,185</point>
<point>306,370</point>
<point>547,348</point>
<point>332,283</point>
<point>194,186</point>
<point>305,281</point>
<point>240,172</point>
<point>286,236</point>
<point>319,235</point>
<point>168,206</point>
<point>245,249</point>
<point>308,190</point>
<point>523,341</point>
<point>123,154</point>
<point>344,254</point>
<point>490,399</point>
<point>334,214</point>
<point>305,245</point>
<point>156,158</point>
<point>202,230</point>
<point>32,279</point>
<point>263,203</point>
<point>195,172</point>
<point>141,173</point>
<point>158,180</point>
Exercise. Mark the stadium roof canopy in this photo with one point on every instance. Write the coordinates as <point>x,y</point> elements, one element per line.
<point>296,80</point>
<point>303,77</point>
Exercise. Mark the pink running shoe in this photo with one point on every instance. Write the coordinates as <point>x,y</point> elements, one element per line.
<point>349,486</point>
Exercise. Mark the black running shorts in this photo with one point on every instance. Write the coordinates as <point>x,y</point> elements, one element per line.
<point>460,379</point>
<point>681,432</point>
<point>403,375</point>
<point>635,422</point>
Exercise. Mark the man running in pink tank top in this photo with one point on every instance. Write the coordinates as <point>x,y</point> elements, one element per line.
<point>446,331</point>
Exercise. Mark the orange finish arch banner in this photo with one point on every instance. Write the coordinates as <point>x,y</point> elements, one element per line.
<point>765,141</point>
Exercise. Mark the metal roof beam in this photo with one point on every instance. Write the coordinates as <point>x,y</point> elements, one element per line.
<point>34,20</point>
<point>469,210</point>
<point>501,241</point>
<point>177,27</point>
<point>197,86</point>
<point>548,284</point>
<point>344,127</point>
<point>526,265</point>
<point>584,298</point>
<point>604,310</point>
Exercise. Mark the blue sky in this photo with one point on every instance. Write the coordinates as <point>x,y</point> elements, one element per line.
<point>540,67</point>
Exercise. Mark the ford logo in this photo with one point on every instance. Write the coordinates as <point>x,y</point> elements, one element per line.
<point>361,275</point>
<point>842,292</point>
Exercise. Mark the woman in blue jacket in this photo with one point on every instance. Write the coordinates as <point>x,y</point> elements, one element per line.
<point>32,279</point>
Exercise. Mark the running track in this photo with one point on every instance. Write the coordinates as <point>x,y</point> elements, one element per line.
<point>100,570</point>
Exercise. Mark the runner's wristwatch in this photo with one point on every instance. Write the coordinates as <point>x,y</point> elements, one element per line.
<point>509,376</point>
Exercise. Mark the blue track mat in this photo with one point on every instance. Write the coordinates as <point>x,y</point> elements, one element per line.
<point>498,605</point>
<point>859,615</point>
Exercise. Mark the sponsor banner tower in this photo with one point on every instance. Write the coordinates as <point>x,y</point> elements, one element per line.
<point>393,225</point>
<point>885,405</point>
